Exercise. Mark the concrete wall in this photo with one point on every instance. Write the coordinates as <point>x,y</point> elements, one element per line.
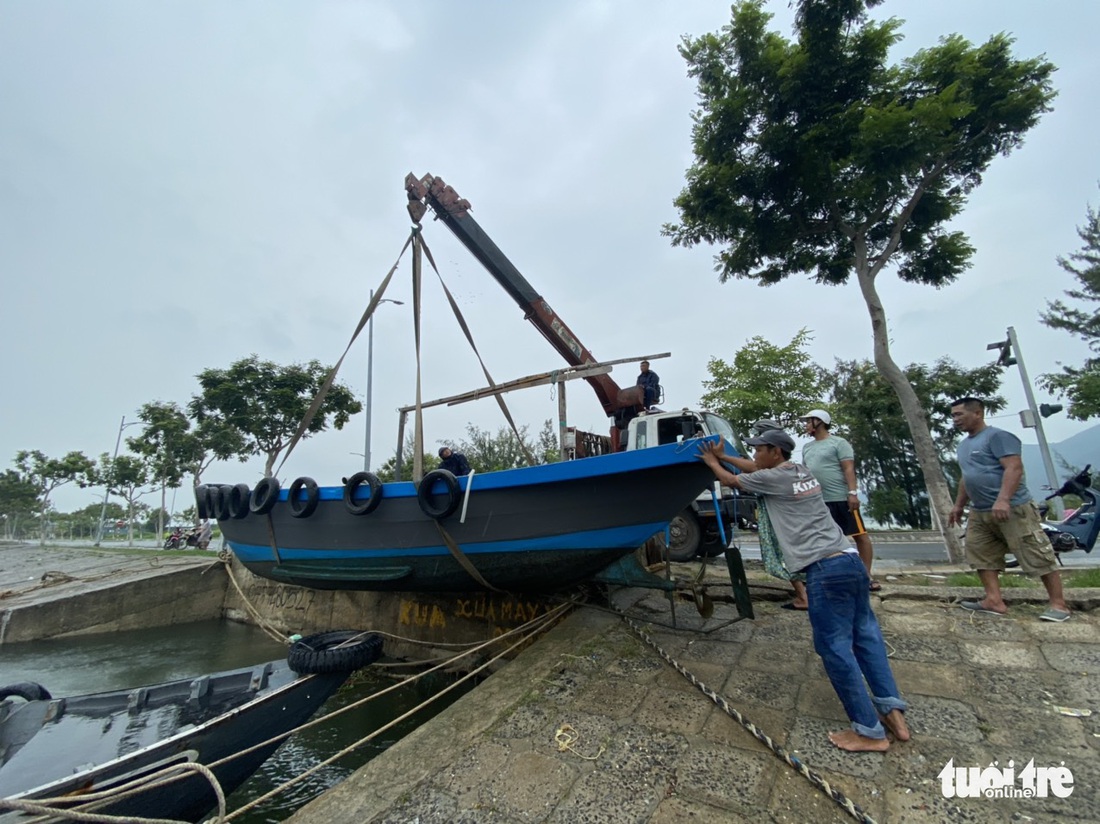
<point>128,602</point>
<point>422,621</point>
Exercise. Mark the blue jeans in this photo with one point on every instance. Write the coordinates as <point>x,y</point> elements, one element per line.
<point>849,641</point>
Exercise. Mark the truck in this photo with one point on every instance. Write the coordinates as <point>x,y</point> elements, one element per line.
<point>696,530</point>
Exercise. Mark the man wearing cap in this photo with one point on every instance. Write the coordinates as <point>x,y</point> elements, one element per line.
<point>770,553</point>
<point>837,581</point>
<point>831,460</point>
<point>453,462</point>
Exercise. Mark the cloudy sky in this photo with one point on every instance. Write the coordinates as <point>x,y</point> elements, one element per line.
<point>183,184</point>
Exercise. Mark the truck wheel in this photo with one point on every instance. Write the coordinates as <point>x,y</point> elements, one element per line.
<point>711,547</point>
<point>685,535</point>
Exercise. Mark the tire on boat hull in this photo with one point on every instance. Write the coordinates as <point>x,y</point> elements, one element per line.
<point>264,496</point>
<point>303,509</point>
<point>351,486</point>
<point>427,500</point>
<point>334,651</point>
<point>27,690</point>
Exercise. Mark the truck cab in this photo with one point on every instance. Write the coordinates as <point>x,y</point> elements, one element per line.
<point>695,530</point>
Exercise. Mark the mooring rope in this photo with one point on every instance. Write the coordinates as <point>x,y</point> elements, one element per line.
<point>534,626</point>
<point>794,761</point>
<point>168,775</point>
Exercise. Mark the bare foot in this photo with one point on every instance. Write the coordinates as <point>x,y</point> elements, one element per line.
<point>894,721</point>
<point>852,741</point>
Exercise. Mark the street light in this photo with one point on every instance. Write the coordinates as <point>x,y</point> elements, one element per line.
<point>370,374</point>
<point>107,491</point>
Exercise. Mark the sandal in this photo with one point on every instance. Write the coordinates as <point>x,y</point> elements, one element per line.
<point>875,586</point>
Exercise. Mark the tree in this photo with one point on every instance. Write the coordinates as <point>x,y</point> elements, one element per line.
<point>47,474</point>
<point>265,403</point>
<point>817,157</point>
<point>1080,385</point>
<point>489,453</point>
<point>127,476</point>
<point>765,381</point>
<point>548,450</point>
<point>872,420</point>
<point>18,499</point>
<point>169,449</point>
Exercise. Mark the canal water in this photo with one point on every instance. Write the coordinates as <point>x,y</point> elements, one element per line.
<point>96,663</point>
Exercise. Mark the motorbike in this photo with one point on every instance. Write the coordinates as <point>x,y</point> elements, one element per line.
<point>181,539</point>
<point>1078,530</point>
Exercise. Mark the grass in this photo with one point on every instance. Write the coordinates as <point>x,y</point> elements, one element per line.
<point>1070,580</point>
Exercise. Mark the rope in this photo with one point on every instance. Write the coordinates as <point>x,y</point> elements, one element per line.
<point>794,761</point>
<point>168,775</point>
<point>535,626</point>
<point>566,737</point>
<point>259,619</point>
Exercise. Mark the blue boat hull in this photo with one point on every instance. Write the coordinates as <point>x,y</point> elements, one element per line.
<point>535,529</point>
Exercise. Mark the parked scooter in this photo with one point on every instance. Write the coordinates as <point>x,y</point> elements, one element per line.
<point>181,539</point>
<point>1080,529</point>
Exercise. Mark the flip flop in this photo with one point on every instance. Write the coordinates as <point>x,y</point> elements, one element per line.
<point>875,586</point>
<point>976,606</point>
<point>793,608</point>
<point>1056,615</point>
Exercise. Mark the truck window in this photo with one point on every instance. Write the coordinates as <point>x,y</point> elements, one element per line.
<point>670,430</point>
<point>717,425</point>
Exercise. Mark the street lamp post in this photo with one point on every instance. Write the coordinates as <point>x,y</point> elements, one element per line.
<point>107,491</point>
<point>370,375</point>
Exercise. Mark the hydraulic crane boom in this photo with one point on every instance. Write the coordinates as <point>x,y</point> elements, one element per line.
<point>431,192</point>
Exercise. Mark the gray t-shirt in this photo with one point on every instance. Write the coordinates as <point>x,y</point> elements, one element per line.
<point>823,459</point>
<point>980,461</point>
<point>802,523</point>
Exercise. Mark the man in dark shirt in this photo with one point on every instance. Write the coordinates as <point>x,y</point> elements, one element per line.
<point>650,383</point>
<point>453,462</point>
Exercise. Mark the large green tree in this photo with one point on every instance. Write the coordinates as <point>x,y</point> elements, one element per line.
<point>47,474</point>
<point>1080,384</point>
<point>18,501</point>
<point>765,381</point>
<point>265,403</point>
<point>871,419</point>
<point>817,156</point>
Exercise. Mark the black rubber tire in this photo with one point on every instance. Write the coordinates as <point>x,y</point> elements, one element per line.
<point>303,509</point>
<point>323,653</point>
<point>237,499</point>
<point>426,499</point>
<point>27,690</point>
<point>685,535</point>
<point>202,501</point>
<point>711,547</point>
<point>264,496</point>
<point>220,497</point>
<point>351,486</point>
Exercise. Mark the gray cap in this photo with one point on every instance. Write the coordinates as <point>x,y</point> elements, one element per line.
<point>764,424</point>
<point>773,437</point>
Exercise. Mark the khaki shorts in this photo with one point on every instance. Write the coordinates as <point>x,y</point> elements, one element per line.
<point>987,541</point>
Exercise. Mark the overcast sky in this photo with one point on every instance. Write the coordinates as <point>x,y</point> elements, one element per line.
<point>183,184</point>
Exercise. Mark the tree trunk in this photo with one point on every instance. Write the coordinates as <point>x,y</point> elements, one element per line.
<point>939,496</point>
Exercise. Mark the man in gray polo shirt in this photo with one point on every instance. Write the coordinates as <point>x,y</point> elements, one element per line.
<point>836,581</point>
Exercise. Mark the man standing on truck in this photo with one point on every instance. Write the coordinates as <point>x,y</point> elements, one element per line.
<point>650,383</point>
<point>831,460</point>
<point>840,606</point>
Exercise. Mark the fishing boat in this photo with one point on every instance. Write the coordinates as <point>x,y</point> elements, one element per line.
<point>533,529</point>
<point>70,748</point>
